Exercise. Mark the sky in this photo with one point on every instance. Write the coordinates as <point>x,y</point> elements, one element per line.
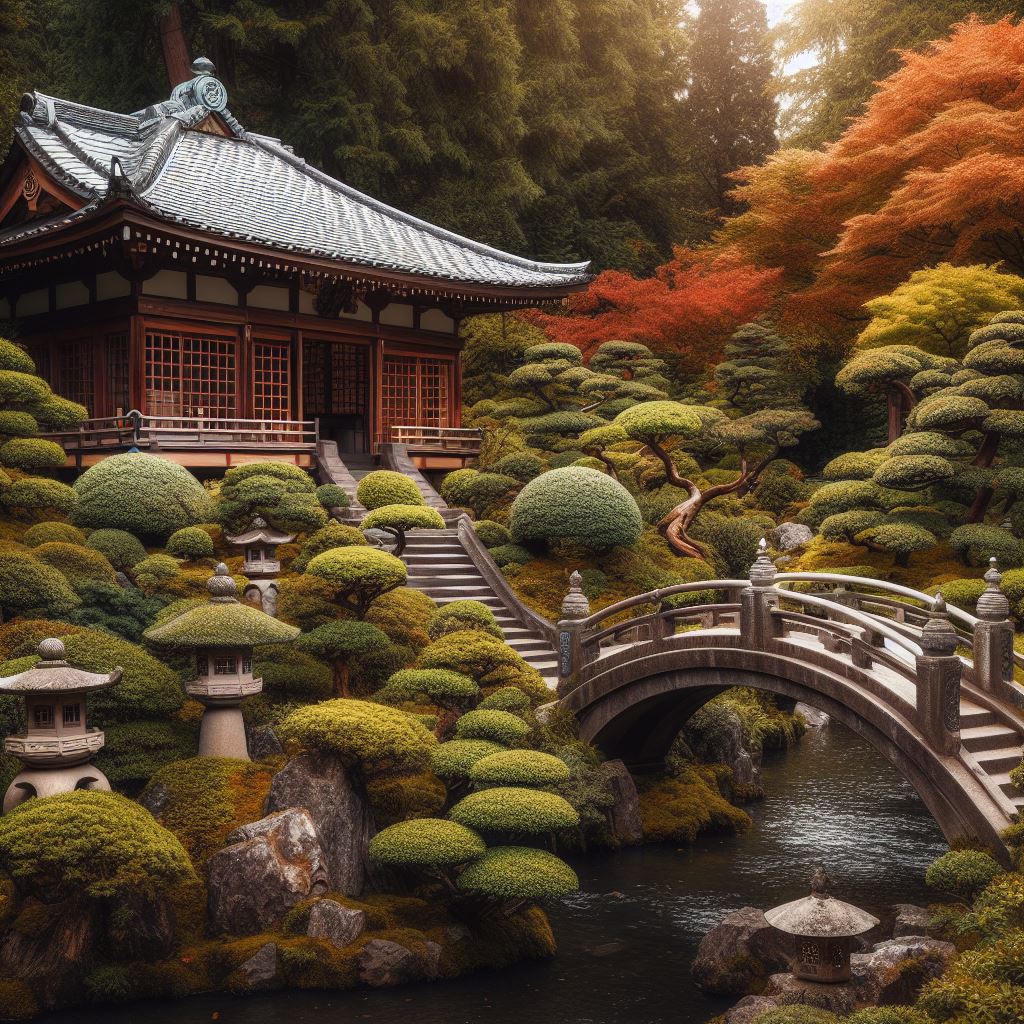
<point>776,11</point>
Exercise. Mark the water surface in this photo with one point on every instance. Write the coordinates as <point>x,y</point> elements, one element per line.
<point>626,941</point>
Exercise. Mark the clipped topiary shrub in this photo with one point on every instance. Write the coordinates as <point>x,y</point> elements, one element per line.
<point>962,874</point>
<point>47,533</point>
<point>333,535</point>
<point>154,572</point>
<point>190,543</point>
<point>522,466</point>
<point>492,534</point>
<point>511,554</point>
<point>498,726</point>
<point>507,698</point>
<point>519,768</point>
<point>576,504</point>
<point>976,543</point>
<point>79,565</point>
<point>397,519</point>
<point>282,494</point>
<point>481,492</point>
<point>362,734</point>
<point>136,749</point>
<point>38,497</point>
<point>121,549</point>
<point>514,811</point>
<point>515,874</point>
<point>32,454</point>
<point>426,842</point>
<point>31,587</point>
<point>341,641</point>
<point>490,661</point>
<point>463,615</point>
<point>142,494</point>
<point>440,687</point>
<point>358,575</point>
<point>385,487</point>
<point>332,496</point>
<point>453,760</point>
<point>404,614</point>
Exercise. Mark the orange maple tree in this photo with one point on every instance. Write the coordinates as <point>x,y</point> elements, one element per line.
<point>933,171</point>
<point>690,307</point>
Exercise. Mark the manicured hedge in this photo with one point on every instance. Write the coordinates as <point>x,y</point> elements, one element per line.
<point>426,842</point>
<point>31,587</point>
<point>492,534</point>
<point>519,768</point>
<point>385,487</point>
<point>507,698</point>
<point>32,454</point>
<point>142,494</point>
<point>332,496</point>
<point>191,543</point>
<point>122,549</point>
<point>576,504</point>
<point>222,625</point>
<point>333,535</point>
<point>962,873</point>
<point>497,726</point>
<point>78,564</point>
<point>454,759</point>
<point>515,811</point>
<point>439,686</point>
<point>45,533</point>
<point>463,615</point>
<point>515,874</point>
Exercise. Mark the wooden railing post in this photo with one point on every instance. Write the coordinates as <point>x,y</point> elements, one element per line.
<point>938,681</point>
<point>757,601</point>
<point>993,636</point>
<point>571,654</point>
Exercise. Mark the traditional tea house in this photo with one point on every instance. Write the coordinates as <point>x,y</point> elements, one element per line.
<point>261,566</point>
<point>58,746</point>
<point>221,634</point>
<point>210,296</point>
<point>822,928</point>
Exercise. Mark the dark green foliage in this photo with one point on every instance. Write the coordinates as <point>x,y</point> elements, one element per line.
<point>457,615</point>
<point>491,534</point>
<point>358,575</point>
<point>515,874</point>
<point>142,494</point>
<point>523,466</point>
<point>290,674</point>
<point>281,494</point>
<point>79,565</point>
<point>190,543</point>
<point>332,496</point>
<point>135,750</point>
<point>468,488</point>
<point>733,542</point>
<point>122,550</point>
<point>333,535</point>
<point>426,842</point>
<point>384,487</point>
<point>581,505</point>
<point>488,660</point>
<point>341,641</point>
<point>441,687</point>
<point>124,611</point>
<point>756,371</point>
<point>31,587</point>
<point>962,873</point>
<point>511,554</point>
<point>976,543</point>
<point>44,533</point>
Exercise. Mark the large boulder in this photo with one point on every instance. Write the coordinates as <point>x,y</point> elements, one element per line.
<point>383,964</point>
<point>340,925</point>
<point>911,920</point>
<point>738,954</point>
<point>271,865</point>
<point>893,972</point>
<point>624,821</point>
<point>259,972</point>
<point>790,536</point>
<point>321,784</point>
<point>748,1009</point>
<point>715,735</point>
<point>787,990</point>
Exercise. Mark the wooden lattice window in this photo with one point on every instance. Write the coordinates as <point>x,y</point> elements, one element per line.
<point>75,373</point>
<point>190,375</point>
<point>350,379</point>
<point>414,392</point>
<point>117,372</point>
<point>314,377</point>
<point>272,380</point>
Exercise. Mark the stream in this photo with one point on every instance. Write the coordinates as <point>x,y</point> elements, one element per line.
<point>626,940</point>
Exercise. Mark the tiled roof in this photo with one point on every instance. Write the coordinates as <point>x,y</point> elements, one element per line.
<point>251,188</point>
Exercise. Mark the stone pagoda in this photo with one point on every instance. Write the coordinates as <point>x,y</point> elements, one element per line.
<point>58,746</point>
<point>261,567</point>
<point>822,928</point>
<point>221,634</point>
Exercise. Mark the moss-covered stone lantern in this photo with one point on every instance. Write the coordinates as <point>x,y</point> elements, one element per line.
<point>822,928</point>
<point>261,566</point>
<point>221,634</point>
<point>57,746</point>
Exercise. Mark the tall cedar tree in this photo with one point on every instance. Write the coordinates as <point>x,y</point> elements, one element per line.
<point>730,105</point>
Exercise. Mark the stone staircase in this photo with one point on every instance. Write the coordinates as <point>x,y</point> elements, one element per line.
<point>994,745</point>
<point>441,567</point>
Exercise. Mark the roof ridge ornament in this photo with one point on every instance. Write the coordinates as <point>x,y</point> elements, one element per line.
<point>204,89</point>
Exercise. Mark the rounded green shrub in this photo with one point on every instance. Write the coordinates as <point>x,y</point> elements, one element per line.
<point>576,504</point>
<point>426,842</point>
<point>31,587</point>
<point>358,575</point>
<point>492,534</point>
<point>385,487</point>
<point>488,660</point>
<point>16,423</point>
<point>32,454</point>
<point>481,492</point>
<point>439,686</point>
<point>454,759</point>
<point>142,494</point>
<point>506,698</point>
<point>519,768</point>
<point>516,874</point>
<point>47,533</point>
<point>510,554</point>
<point>362,734</point>
<point>976,543</point>
<point>333,535</point>
<point>463,615</point>
<point>498,726</point>
<point>399,518</point>
<point>515,811</point>
<point>77,563</point>
<point>90,843</point>
<point>154,572</point>
<point>14,357</point>
<point>522,466</point>
<point>332,496</point>
<point>289,674</point>
<point>135,750</point>
<point>287,472</point>
<point>962,873</point>
<point>121,549</point>
<point>37,495</point>
<point>280,493</point>
<point>190,543</point>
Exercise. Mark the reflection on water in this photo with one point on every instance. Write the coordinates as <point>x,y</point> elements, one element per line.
<point>625,942</point>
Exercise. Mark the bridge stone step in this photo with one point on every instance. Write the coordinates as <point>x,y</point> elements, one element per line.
<point>995,762</point>
<point>973,716</point>
<point>987,737</point>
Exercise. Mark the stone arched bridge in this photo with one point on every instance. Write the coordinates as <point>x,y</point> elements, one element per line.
<point>931,688</point>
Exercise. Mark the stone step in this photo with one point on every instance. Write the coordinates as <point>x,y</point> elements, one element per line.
<point>492,602</point>
<point>442,589</point>
<point>1002,780</point>
<point>986,737</point>
<point>972,716</point>
<point>1000,760</point>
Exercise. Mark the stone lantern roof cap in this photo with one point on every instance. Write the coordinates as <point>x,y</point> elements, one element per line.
<point>820,915</point>
<point>222,622</point>
<point>52,674</point>
<point>260,532</point>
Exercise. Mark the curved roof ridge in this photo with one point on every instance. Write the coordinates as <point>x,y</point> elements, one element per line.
<point>300,164</point>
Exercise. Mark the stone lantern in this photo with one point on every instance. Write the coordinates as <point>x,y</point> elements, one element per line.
<point>259,545</point>
<point>221,634</point>
<point>58,746</point>
<point>822,928</point>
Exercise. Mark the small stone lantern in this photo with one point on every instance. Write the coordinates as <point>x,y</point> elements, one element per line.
<point>58,746</point>
<point>259,545</point>
<point>222,634</point>
<point>822,928</point>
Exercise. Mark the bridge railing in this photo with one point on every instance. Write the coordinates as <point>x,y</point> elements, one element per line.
<point>866,622</point>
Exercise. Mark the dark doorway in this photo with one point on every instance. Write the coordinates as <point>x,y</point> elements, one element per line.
<point>336,389</point>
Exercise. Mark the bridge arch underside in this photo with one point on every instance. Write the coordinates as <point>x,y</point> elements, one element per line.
<point>634,711</point>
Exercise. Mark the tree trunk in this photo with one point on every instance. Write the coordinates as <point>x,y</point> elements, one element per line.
<point>900,401</point>
<point>175,48</point>
<point>341,678</point>
<point>983,459</point>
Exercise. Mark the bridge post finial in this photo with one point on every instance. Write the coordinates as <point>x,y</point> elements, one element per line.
<point>571,653</point>
<point>757,601</point>
<point>939,671</point>
<point>763,571</point>
<point>993,637</point>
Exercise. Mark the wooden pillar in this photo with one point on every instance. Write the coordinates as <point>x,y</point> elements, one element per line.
<point>137,364</point>
<point>376,389</point>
